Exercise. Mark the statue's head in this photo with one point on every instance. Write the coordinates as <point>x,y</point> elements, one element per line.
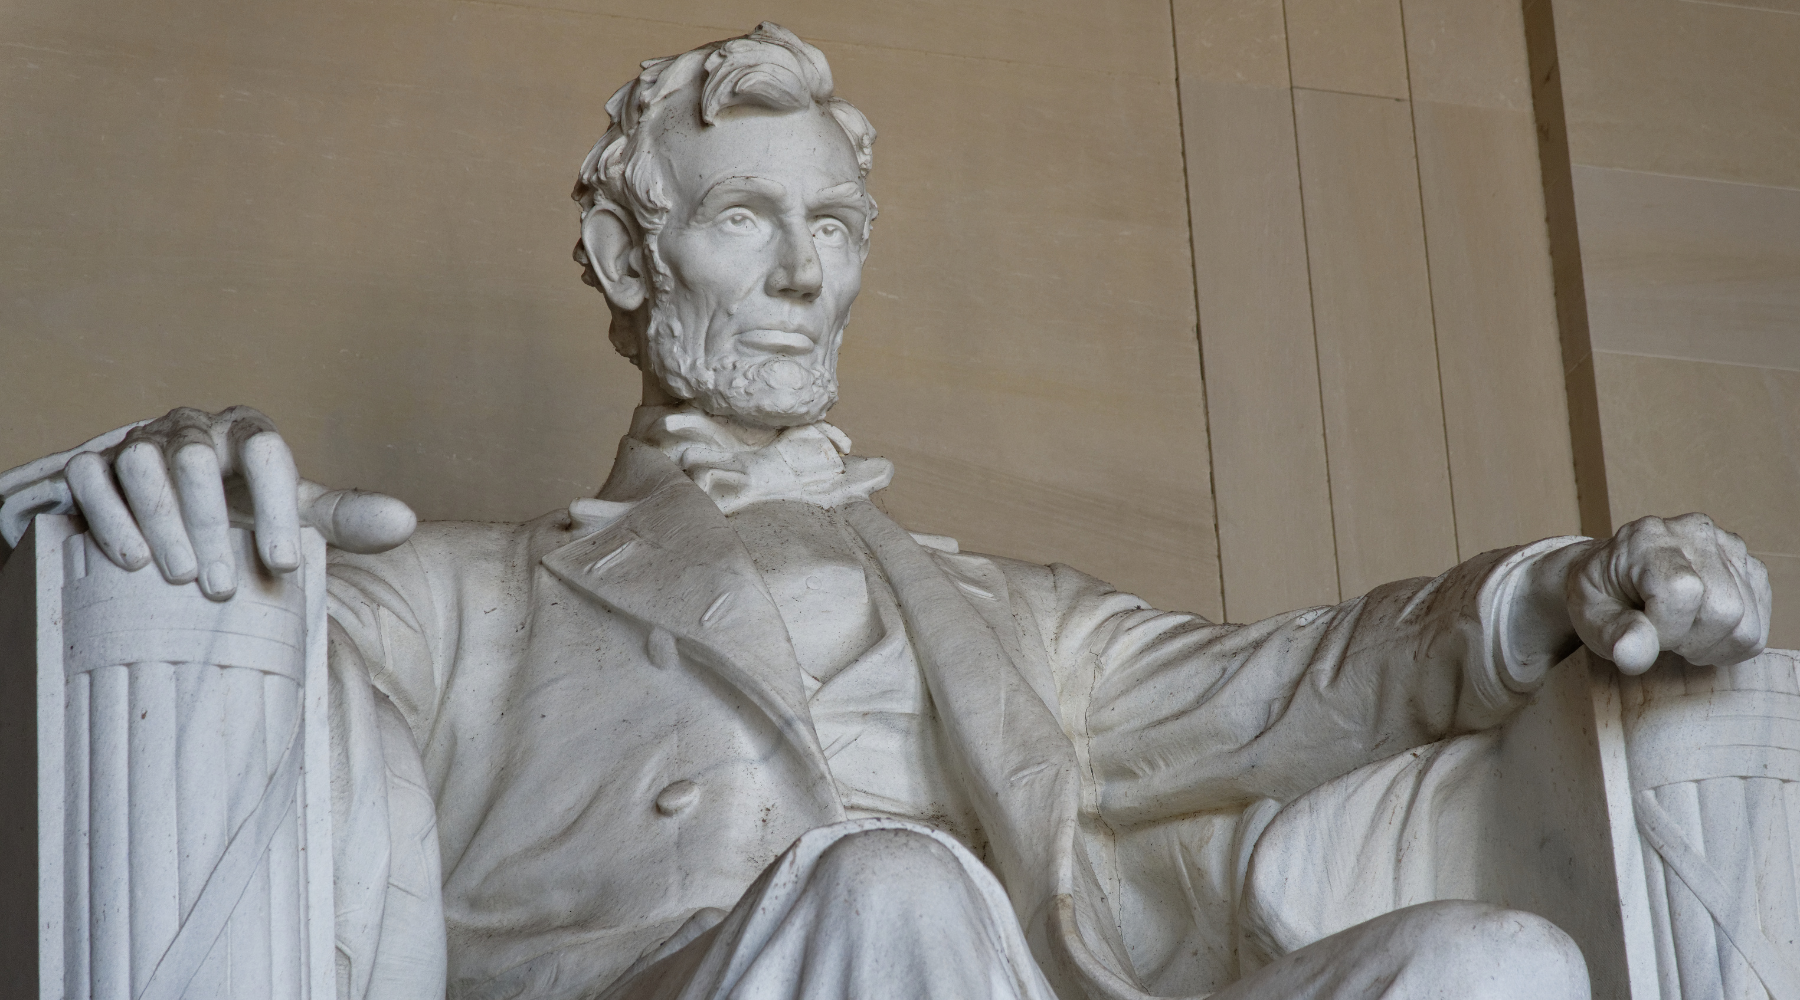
<point>724,216</point>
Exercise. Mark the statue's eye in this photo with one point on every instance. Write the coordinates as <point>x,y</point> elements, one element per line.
<point>739,219</point>
<point>830,230</point>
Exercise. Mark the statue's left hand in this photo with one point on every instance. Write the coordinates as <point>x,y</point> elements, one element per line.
<point>168,490</point>
<point>1681,584</point>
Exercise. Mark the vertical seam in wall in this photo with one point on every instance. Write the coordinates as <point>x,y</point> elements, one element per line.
<point>1437,349</point>
<point>1187,194</point>
<point>1562,227</point>
<point>1312,313</point>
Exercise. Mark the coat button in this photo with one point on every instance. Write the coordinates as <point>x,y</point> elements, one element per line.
<point>677,797</point>
<point>661,649</point>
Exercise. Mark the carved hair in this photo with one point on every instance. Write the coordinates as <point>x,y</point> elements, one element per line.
<point>768,68</point>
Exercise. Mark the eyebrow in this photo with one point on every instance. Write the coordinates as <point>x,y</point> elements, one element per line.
<point>849,194</point>
<point>720,195</point>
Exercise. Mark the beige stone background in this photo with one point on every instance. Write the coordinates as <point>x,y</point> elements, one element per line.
<point>1684,135</point>
<point>1342,212</point>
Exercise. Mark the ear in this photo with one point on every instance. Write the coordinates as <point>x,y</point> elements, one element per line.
<point>616,258</point>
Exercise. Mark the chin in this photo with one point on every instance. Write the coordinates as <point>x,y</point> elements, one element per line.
<point>761,390</point>
<point>766,406</point>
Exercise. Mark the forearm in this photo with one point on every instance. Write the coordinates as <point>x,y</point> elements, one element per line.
<point>1202,716</point>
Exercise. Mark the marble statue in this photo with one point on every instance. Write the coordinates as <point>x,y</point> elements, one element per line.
<point>727,730</point>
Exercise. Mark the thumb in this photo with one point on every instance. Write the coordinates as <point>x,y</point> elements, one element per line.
<point>356,521</point>
<point>1631,641</point>
<point>1606,619</point>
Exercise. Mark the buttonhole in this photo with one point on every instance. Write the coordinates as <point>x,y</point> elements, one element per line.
<point>609,558</point>
<point>977,591</point>
<point>717,607</point>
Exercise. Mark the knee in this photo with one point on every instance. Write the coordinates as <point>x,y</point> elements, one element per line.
<point>890,864</point>
<point>1487,951</point>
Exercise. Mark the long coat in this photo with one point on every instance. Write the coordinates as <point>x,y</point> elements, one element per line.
<point>608,715</point>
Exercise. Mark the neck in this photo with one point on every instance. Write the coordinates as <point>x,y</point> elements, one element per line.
<point>654,393</point>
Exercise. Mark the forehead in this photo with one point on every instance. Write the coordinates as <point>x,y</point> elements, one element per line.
<point>803,150</point>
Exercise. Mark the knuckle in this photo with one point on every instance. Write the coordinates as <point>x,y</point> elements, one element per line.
<point>140,454</point>
<point>192,456</point>
<point>85,466</point>
<point>240,412</point>
<point>186,416</point>
<point>245,424</point>
<point>185,439</point>
<point>264,445</point>
<point>149,435</point>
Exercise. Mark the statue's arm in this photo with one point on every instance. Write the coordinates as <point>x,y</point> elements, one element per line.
<point>1185,715</point>
<point>1182,715</point>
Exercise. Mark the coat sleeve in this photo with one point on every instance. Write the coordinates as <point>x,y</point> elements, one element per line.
<point>1179,715</point>
<point>386,616</point>
<point>385,633</point>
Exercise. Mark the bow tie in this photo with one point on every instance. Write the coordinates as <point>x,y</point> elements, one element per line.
<point>737,465</point>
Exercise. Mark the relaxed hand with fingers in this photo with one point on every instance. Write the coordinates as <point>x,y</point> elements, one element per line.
<point>171,490</point>
<point>1681,584</point>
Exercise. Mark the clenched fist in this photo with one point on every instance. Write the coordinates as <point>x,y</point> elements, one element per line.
<point>1680,584</point>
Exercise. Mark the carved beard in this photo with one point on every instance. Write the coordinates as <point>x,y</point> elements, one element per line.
<point>775,391</point>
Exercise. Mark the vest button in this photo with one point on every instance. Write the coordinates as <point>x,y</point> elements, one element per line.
<point>677,797</point>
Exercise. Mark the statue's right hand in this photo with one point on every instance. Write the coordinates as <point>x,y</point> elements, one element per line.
<point>170,490</point>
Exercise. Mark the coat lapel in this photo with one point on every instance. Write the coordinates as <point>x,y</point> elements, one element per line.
<point>1004,736</point>
<point>674,562</point>
<point>1025,777</point>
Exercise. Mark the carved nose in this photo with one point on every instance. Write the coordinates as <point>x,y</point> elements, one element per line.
<point>801,274</point>
<point>678,797</point>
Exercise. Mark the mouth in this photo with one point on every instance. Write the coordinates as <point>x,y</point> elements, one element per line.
<point>777,341</point>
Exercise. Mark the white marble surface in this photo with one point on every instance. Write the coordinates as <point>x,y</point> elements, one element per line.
<point>183,797</point>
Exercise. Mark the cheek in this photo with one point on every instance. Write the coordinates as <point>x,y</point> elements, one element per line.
<point>843,276</point>
<point>713,273</point>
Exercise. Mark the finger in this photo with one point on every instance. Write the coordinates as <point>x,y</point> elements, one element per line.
<point>232,427</point>
<point>1632,640</point>
<point>1764,594</point>
<point>1709,641</point>
<point>201,489</point>
<point>356,521</point>
<point>1605,619</point>
<point>268,469</point>
<point>1670,587</point>
<point>1722,606</point>
<point>109,520</point>
<point>1751,634</point>
<point>151,497</point>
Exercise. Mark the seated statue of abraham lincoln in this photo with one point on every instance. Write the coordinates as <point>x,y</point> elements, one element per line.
<point>727,730</point>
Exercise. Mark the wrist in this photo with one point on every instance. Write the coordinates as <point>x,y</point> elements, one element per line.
<point>1538,632</point>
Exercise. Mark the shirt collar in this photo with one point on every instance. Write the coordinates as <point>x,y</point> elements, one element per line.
<point>738,465</point>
